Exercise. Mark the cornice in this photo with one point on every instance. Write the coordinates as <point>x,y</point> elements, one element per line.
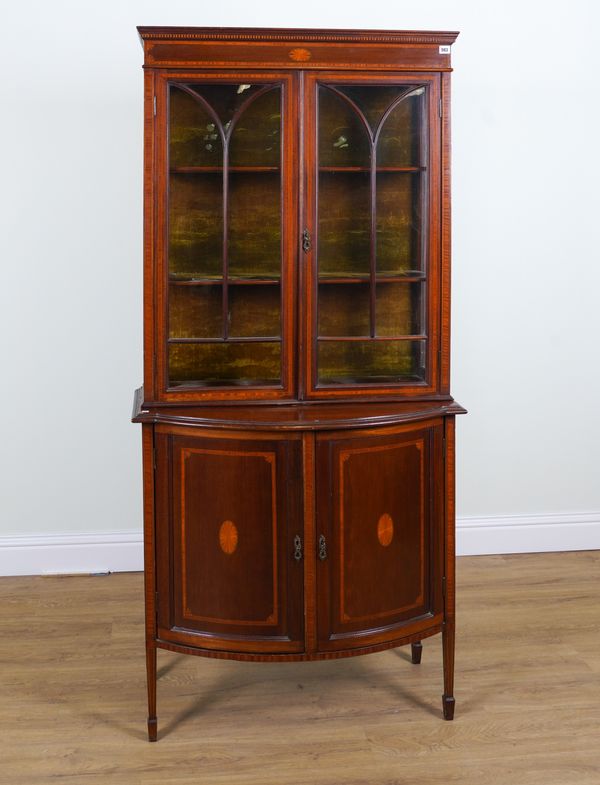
<point>295,35</point>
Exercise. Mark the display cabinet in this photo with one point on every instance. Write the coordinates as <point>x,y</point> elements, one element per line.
<point>298,428</point>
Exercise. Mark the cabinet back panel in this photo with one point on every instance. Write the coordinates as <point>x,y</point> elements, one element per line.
<point>225,363</point>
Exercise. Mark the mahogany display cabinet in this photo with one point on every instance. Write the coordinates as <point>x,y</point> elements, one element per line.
<point>298,428</point>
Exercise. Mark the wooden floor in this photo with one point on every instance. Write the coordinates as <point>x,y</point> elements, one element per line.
<point>72,692</point>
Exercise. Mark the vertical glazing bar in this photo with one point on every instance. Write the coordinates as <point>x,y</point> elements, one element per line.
<point>225,237</point>
<point>423,218</point>
<point>373,248</point>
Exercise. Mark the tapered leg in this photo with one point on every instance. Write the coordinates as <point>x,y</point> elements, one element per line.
<point>416,650</point>
<point>448,648</point>
<point>151,678</point>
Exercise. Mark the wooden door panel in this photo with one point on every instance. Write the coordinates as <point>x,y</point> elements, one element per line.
<point>227,576</point>
<point>383,528</point>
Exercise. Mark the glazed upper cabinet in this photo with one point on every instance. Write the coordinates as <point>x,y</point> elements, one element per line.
<point>296,249</point>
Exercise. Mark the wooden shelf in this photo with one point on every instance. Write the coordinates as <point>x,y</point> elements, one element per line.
<point>222,383</point>
<point>220,281</point>
<point>219,169</point>
<point>365,279</point>
<point>382,169</point>
<point>249,339</point>
<point>377,338</point>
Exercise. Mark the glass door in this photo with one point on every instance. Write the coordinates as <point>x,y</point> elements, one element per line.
<point>373,267</point>
<point>227,316</point>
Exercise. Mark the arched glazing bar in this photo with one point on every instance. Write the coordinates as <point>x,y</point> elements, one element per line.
<point>374,133</point>
<point>225,131</point>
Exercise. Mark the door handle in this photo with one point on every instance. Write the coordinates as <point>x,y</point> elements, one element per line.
<point>322,547</point>
<point>297,548</point>
<point>306,241</point>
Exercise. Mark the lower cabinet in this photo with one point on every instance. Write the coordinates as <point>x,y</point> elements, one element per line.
<point>234,514</point>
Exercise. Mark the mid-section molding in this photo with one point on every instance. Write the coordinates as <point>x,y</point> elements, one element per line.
<point>293,416</point>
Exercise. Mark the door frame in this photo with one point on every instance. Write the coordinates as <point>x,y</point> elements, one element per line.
<point>156,210</point>
<point>308,386</point>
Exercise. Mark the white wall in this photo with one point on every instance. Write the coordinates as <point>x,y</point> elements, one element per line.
<point>526,260</point>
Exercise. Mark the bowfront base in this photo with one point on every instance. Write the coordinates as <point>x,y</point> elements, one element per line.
<point>300,536</point>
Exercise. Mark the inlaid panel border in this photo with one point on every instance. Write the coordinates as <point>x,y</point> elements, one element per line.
<point>273,618</point>
<point>344,456</point>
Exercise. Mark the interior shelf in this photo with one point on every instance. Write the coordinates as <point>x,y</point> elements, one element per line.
<point>245,339</point>
<point>368,168</point>
<point>411,277</point>
<point>220,280</point>
<point>218,169</point>
<point>193,384</point>
<point>374,338</point>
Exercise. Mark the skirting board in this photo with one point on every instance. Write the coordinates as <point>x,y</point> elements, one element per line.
<point>575,531</point>
<point>65,554</point>
<point>121,551</point>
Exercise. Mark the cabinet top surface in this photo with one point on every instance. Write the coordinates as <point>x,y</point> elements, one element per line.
<point>297,34</point>
<point>295,417</point>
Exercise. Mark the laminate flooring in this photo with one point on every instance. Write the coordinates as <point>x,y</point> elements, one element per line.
<point>73,699</point>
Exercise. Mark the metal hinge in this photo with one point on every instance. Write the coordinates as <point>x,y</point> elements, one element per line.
<point>440,105</point>
<point>154,106</point>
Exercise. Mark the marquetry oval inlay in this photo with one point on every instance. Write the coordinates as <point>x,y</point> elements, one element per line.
<point>385,529</point>
<point>300,55</point>
<point>228,537</point>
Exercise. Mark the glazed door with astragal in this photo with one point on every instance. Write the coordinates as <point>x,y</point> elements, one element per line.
<point>372,256</point>
<point>230,543</point>
<point>380,535</point>
<point>227,251</point>
<point>234,265</point>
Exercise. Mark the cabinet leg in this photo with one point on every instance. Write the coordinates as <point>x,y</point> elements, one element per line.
<point>416,651</point>
<point>151,682</point>
<point>448,650</point>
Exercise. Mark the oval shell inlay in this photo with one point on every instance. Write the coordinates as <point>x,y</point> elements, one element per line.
<point>228,537</point>
<point>300,55</point>
<point>385,529</point>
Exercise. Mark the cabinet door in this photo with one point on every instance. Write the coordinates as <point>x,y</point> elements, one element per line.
<point>372,221</point>
<point>381,535</point>
<point>227,249</point>
<point>229,513</point>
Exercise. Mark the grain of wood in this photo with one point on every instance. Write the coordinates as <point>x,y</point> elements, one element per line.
<point>73,694</point>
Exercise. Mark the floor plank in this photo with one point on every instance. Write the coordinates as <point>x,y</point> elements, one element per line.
<point>72,692</point>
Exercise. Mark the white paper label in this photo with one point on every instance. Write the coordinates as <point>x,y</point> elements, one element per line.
<point>444,50</point>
